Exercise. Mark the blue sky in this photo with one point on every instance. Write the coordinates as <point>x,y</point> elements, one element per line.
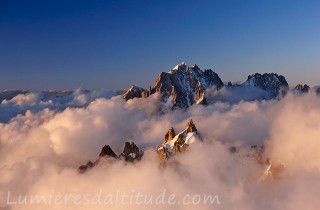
<point>52,44</point>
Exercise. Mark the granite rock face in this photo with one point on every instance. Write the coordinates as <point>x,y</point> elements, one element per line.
<point>169,135</point>
<point>191,127</point>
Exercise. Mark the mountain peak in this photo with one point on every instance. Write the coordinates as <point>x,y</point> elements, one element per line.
<point>107,151</point>
<point>272,83</point>
<point>187,85</point>
<point>131,152</point>
<point>135,92</point>
<point>302,88</point>
<point>181,66</point>
<point>191,126</point>
<point>195,66</point>
<point>169,135</point>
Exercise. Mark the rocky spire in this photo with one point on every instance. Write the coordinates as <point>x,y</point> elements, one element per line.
<point>169,136</point>
<point>131,152</point>
<point>302,88</point>
<point>190,126</point>
<point>201,99</point>
<point>195,66</point>
<point>130,148</point>
<point>107,151</point>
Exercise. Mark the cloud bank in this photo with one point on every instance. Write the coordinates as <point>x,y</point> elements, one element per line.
<point>41,149</point>
<point>17,102</point>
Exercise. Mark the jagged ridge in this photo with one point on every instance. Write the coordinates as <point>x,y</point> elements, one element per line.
<point>131,153</point>
<point>272,83</point>
<point>173,144</point>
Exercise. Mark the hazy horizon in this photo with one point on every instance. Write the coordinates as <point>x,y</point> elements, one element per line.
<point>147,83</point>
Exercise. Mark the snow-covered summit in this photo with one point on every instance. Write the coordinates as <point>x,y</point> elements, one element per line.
<point>181,66</point>
<point>186,84</point>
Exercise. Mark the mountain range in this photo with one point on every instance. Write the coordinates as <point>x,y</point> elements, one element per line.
<point>185,85</point>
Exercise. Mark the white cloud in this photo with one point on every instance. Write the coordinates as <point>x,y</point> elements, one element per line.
<point>41,150</point>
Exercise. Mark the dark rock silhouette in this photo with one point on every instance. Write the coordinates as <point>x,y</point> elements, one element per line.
<point>302,88</point>
<point>107,151</point>
<point>130,153</point>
